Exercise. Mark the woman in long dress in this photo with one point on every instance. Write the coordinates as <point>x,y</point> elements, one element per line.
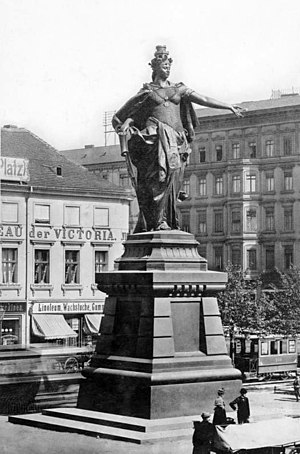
<point>160,122</point>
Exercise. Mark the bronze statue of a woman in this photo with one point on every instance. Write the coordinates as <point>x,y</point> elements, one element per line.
<point>160,122</point>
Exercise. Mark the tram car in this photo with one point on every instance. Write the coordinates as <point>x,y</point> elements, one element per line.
<point>265,357</point>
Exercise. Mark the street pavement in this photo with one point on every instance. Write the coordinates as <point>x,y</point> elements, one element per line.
<point>15,439</point>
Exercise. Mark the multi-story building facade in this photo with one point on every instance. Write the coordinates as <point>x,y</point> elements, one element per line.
<point>244,185</point>
<point>60,226</point>
<point>108,164</point>
<point>243,181</point>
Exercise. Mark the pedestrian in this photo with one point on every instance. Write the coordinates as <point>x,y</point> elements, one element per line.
<point>219,409</point>
<point>296,384</point>
<point>241,403</point>
<point>203,435</point>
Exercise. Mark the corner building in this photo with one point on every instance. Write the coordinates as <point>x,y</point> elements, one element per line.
<point>60,225</point>
<point>243,181</point>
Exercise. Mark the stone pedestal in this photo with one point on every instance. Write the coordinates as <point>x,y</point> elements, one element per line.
<point>162,351</point>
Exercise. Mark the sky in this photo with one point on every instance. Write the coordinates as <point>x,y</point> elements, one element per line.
<point>64,63</point>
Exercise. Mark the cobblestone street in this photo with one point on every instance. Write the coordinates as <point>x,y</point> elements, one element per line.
<point>15,439</point>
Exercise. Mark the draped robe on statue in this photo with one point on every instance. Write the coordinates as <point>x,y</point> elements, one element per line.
<point>164,121</point>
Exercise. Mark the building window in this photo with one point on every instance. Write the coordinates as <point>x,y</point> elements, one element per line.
<point>9,212</point>
<point>236,184</point>
<point>288,180</point>
<point>124,180</point>
<point>185,222</point>
<point>41,266</point>
<point>71,267</point>
<point>202,154</point>
<point>236,256</point>
<point>219,185</point>
<point>270,182</point>
<point>236,150</point>
<point>10,331</point>
<point>101,262</point>
<point>218,222</point>
<point>72,215</point>
<point>288,219</point>
<point>218,257</point>
<point>250,182</point>
<point>287,146</point>
<point>202,222</point>
<point>270,219</point>
<point>236,221</point>
<point>252,150</point>
<point>186,186</point>
<point>288,257</point>
<point>101,217</point>
<point>270,257</point>
<point>219,152</point>
<point>251,259</point>
<point>269,148</point>
<point>41,214</point>
<point>251,220</point>
<point>9,266</point>
<point>202,186</point>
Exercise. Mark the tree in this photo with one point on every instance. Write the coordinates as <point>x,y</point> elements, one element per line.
<point>269,304</point>
<point>238,303</point>
<point>282,312</point>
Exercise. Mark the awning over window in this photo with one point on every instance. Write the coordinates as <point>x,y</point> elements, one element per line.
<point>92,322</point>
<point>51,326</point>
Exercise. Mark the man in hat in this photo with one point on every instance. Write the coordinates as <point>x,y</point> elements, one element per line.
<point>203,435</point>
<point>220,418</point>
<point>243,407</point>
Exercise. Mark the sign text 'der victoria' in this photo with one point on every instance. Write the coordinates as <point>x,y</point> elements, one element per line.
<point>57,233</point>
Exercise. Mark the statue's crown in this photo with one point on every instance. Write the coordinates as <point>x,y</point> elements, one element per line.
<point>161,52</point>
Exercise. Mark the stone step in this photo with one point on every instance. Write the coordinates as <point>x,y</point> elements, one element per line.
<point>95,430</point>
<point>122,422</point>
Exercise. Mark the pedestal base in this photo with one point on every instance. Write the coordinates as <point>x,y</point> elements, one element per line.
<point>162,350</point>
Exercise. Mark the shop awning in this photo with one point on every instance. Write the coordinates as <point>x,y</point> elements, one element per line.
<point>51,326</point>
<point>92,322</point>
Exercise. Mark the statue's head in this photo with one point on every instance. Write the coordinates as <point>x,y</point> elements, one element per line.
<point>161,57</point>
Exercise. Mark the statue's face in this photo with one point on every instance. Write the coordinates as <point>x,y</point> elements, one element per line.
<point>164,69</point>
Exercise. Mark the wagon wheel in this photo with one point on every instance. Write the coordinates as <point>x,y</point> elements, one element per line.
<point>71,365</point>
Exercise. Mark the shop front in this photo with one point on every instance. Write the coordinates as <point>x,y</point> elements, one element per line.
<point>65,323</point>
<point>12,323</point>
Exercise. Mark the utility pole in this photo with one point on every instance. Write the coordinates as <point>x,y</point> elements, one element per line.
<point>109,131</point>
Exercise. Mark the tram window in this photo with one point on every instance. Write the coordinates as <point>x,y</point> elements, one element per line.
<point>274,348</point>
<point>292,346</point>
<point>264,348</point>
<point>283,346</point>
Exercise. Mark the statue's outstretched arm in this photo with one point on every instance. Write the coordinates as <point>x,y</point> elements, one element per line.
<point>211,102</point>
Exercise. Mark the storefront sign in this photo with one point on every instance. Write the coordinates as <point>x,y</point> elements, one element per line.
<point>57,233</point>
<point>14,307</point>
<point>68,307</point>
<point>67,233</point>
<point>11,231</point>
<point>15,169</point>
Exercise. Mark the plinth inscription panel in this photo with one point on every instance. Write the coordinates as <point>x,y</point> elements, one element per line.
<point>186,325</point>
